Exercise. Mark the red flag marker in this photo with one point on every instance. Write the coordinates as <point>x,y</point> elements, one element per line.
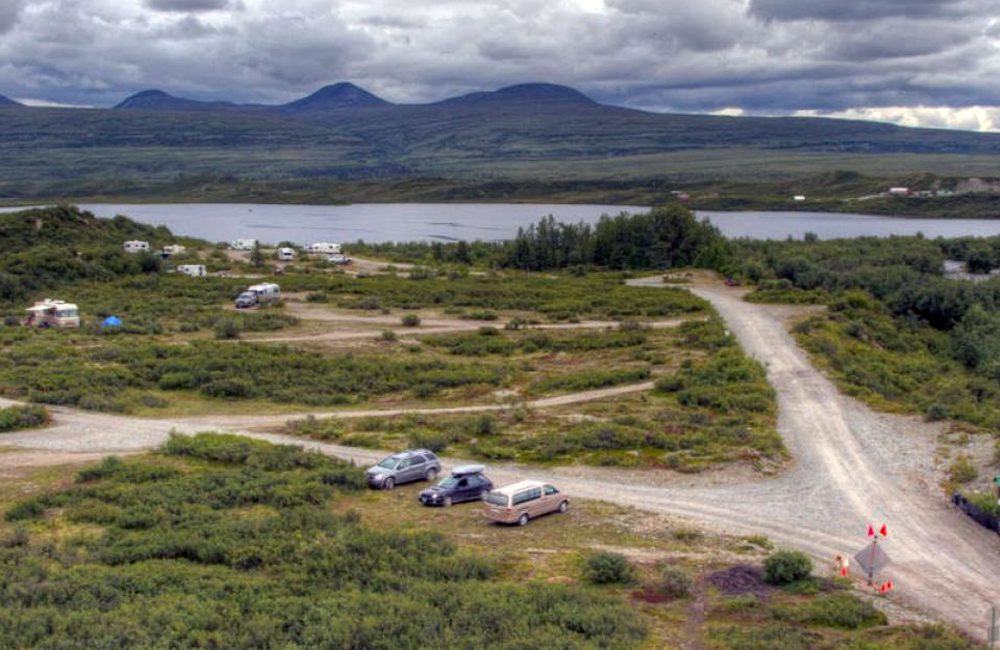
<point>883,531</point>
<point>871,530</point>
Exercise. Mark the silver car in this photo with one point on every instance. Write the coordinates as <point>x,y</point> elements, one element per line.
<point>406,466</point>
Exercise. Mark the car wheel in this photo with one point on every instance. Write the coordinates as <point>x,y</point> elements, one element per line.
<point>431,474</point>
<point>563,507</point>
<point>389,483</point>
<point>523,519</point>
<point>447,502</point>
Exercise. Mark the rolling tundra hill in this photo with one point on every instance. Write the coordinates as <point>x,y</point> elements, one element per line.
<point>344,132</point>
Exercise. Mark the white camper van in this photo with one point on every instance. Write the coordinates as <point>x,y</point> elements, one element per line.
<point>136,246</point>
<point>194,270</point>
<point>53,313</point>
<point>172,249</point>
<point>286,254</point>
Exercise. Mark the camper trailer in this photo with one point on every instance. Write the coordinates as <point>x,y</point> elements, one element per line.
<point>286,254</point>
<point>194,270</point>
<point>243,244</point>
<point>53,313</point>
<point>323,247</point>
<point>171,250</point>
<point>258,294</point>
<point>136,246</point>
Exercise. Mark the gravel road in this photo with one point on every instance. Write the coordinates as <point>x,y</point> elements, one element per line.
<point>852,467</point>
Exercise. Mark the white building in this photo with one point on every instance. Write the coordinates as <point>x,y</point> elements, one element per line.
<point>243,244</point>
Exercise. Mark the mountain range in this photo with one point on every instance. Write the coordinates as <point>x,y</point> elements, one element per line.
<point>7,101</point>
<point>342,131</point>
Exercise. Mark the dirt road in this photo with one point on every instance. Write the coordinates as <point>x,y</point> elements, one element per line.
<point>852,467</point>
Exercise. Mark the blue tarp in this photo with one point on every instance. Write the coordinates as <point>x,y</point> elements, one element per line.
<point>111,321</point>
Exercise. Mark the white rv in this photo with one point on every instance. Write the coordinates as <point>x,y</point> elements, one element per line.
<point>258,294</point>
<point>243,244</point>
<point>136,246</point>
<point>172,249</point>
<point>286,254</point>
<point>323,247</point>
<point>53,313</point>
<point>194,270</point>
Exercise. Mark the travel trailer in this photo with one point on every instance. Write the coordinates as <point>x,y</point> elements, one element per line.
<point>194,270</point>
<point>323,247</point>
<point>243,244</point>
<point>286,254</point>
<point>53,313</point>
<point>258,294</point>
<point>171,250</point>
<point>136,246</point>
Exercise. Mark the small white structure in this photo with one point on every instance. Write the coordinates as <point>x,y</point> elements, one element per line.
<point>798,198</point>
<point>173,249</point>
<point>339,259</point>
<point>53,313</point>
<point>243,244</point>
<point>136,246</point>
<point>323,247</point>
<point>194,270</point>
<point>899,191</point>
<point>286,254</point>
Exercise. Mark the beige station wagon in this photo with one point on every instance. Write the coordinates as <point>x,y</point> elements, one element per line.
<point>519,502</point>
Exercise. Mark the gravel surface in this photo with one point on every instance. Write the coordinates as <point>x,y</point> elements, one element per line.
<point>852,467</point>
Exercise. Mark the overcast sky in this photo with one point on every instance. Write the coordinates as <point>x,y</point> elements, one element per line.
<point>918,62</point>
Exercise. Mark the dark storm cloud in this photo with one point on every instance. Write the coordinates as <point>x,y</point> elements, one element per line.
<point>843,10</point>
<point>188,5</point>
<point>768,56</point>
<point>10,11</point>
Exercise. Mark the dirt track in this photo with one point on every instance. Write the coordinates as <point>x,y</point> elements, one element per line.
<point>853,467</point>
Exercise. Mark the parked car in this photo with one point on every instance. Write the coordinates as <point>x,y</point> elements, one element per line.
<point>246,299</point>
<point>406,466</point>
<point>466,483</point>
<point>339,258</point>
<point>519,502</point>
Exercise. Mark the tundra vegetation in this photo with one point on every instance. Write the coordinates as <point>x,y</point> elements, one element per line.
<point>221,541</point>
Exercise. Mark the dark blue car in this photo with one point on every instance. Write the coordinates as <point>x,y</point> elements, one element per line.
<point>465,483</point>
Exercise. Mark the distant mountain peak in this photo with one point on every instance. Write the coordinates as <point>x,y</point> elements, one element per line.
<point>7,101</point>
<point>154,99</point>
<point>527,94</point>
<point>334,96</point>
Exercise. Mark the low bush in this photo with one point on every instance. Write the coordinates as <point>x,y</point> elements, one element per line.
<point>838,610</point>
<point>607,568</point>
<point>786,567</point>
<point>14,418</point>
<point>410,320</point>
<point>673,582</point>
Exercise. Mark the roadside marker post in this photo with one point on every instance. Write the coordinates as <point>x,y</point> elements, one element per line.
<point>994,632</point>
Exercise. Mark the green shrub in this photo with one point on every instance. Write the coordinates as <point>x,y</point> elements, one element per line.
<point>227,330</point>
<point>607,568</point>
<point>410,320</point>
<point>962,470</point>
<point>30,509</point>
<point>838,610</point>
<point>673,582</point>
<point>786,567</point>
<point>14,418</point>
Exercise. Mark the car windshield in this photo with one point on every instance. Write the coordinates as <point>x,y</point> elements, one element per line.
<point>449,482</point>
<point>389,463</point>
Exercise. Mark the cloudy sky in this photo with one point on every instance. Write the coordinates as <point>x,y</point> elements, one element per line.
<point>916,62</point>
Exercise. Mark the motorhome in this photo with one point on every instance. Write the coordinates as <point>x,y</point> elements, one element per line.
<point>136,246</point>
<point>53,313</point>
<point>243,244</point>
<point>194,270</point>
<point>323,247</point>
<point>286,254</point>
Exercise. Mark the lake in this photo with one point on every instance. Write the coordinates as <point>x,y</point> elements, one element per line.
<point>379,222</point>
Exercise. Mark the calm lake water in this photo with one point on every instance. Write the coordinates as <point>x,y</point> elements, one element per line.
<point>379,222</point>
